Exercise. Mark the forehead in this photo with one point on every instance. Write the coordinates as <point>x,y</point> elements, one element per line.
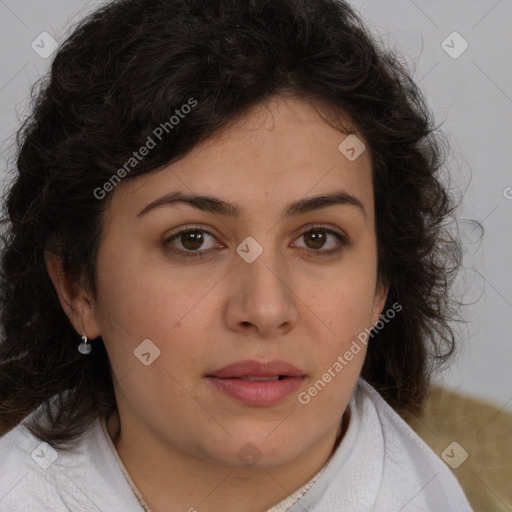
<point>277,152</point>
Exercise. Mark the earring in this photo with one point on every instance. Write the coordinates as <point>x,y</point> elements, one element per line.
<point>84,348</point>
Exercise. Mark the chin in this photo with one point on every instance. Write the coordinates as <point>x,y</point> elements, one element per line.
<point>253,452</point>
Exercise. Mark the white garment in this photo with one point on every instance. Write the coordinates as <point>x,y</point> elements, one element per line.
<point>381,465</point>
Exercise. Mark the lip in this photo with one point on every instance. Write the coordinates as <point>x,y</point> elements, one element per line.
<point>230,381</point>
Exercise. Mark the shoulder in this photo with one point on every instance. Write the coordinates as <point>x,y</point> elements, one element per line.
<point>36,476</point>
<point>382,465</point>
<point>410,468</point>
<point>25,474</point>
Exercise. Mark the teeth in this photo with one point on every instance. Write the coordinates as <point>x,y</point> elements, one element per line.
<point>254,379</point>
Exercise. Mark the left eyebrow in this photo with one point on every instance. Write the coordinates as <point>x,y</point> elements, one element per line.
<point>218,206</point>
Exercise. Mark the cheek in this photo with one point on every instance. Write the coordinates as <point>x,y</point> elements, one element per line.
<point>345,306</point>
<point>139,302</point>
<point>148,299</point>
<point>339,356</point>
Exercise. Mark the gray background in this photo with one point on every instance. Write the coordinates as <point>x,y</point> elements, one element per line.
<point>471,96</point>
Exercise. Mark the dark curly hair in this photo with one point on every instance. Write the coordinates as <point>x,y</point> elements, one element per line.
<point>123,71</point>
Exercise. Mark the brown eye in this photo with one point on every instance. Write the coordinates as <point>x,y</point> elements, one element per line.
<point>317,238</point>
<point>191,242</point>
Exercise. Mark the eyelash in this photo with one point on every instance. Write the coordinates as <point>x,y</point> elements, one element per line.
<point>200,254</point>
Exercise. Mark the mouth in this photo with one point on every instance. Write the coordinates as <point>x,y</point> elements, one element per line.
<point>257,383</point>
<point>255,378</point>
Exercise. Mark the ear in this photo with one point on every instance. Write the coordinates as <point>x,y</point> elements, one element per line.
<point>73,297</point>
<point>379,301</point>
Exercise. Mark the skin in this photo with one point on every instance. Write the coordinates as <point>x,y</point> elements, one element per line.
<point>180,436</point>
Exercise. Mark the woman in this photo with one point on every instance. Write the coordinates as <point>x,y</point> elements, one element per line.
<point>225,268</point>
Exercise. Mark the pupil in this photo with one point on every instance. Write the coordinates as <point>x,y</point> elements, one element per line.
<point>317,238</point>
<point>192,240</point>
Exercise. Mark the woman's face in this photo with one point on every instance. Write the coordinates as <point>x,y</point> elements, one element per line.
<point>271,283</point>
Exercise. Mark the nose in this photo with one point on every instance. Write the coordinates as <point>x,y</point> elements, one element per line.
<point>261,296</point>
